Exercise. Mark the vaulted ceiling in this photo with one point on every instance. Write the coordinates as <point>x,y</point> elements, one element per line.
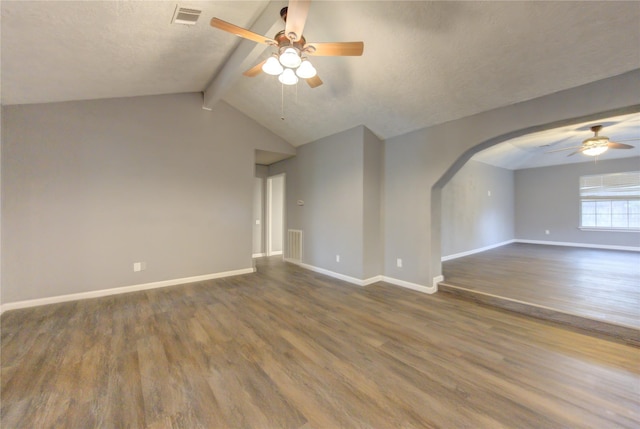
<point>424,63</point>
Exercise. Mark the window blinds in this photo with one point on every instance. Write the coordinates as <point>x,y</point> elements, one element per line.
<point>624,186</point>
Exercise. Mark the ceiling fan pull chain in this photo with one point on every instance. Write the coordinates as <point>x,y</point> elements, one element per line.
<point>282,101</point>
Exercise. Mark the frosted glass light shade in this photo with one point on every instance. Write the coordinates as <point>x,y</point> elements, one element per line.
<point>290,58</point>
<point>306,70</point>
<point>288,77</point>
<point>596,150</point>
<point>272,67</point>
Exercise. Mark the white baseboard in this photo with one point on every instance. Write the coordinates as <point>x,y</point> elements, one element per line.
<point>371,280</point>
<point>338,276</point>
<point>279,252</point>
<point>436,280</point>
<point>471,252</point>
<point>548,243</point>
<point>412,286</point>
<point>258,255</point>
<point>591,246</point>
<point>118,290</point>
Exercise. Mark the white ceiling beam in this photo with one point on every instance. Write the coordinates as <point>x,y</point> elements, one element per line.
<point>245,55</point>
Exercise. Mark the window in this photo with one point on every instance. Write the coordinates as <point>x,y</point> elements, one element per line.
<point>610,201</point>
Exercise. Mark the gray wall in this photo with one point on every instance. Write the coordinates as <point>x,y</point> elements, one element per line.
<point>90,187</point>
<point>548,198</point>
<point>471,219</point>
<point>328,176</point>
<point>373,196</point>
<point>1,199</point>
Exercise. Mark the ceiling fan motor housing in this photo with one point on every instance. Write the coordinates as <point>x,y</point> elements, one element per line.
<point>282,40</point>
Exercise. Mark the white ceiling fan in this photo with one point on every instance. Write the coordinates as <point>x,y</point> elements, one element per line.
<point>596,145</point>
<point>290,61</point>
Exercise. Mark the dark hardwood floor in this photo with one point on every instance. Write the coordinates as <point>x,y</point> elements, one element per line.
<point>289,348</point>
<point>596,284</point>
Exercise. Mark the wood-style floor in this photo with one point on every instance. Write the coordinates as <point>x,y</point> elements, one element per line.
<point>593,283</point>
<point>289,348</point>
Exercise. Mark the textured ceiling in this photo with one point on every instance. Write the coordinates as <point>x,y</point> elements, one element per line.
<point>78,50</point>
<point>424,62</point>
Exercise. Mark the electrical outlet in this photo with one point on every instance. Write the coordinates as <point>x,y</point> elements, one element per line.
<point>488,193</point>
<point>547,232</point>
<point>139,266</point>
<point>337,258</point>
<point>399,263</point>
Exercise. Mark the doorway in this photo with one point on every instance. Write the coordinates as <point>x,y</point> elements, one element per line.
<point>258,216</point>
<point>275,214</point>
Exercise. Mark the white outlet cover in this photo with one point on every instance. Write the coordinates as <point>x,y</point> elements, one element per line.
<point>399,263</point>
<point>337,258</point>
<point>137,266</point>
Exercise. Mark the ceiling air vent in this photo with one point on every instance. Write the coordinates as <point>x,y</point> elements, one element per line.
<point>186,16</point>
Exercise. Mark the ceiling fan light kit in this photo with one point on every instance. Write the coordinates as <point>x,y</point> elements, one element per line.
<point>272,66</point>
<point>595,150</point>
<point>306,69</point>
<point>288,77</point>
<point>290,57</point>
<point>595,145</point>
<point>288,63</point>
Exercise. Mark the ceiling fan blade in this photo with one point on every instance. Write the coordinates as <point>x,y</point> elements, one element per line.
<point>335,49</point>
<point>629,140</point>
<point>314,81</point>
<point>566,148</point>
<point>296,18</point>
<point>616,145</point>
<point>255,70</point>
<point>242,32</point>
<point>557,142</point>
<point>578,151</point>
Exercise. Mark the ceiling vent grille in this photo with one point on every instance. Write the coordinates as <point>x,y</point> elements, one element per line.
<point>185,16</point>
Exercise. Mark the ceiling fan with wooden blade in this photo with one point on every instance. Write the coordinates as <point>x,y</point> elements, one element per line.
<point>290,62</point>
<point>242,32</point>
<point>596,145</point>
